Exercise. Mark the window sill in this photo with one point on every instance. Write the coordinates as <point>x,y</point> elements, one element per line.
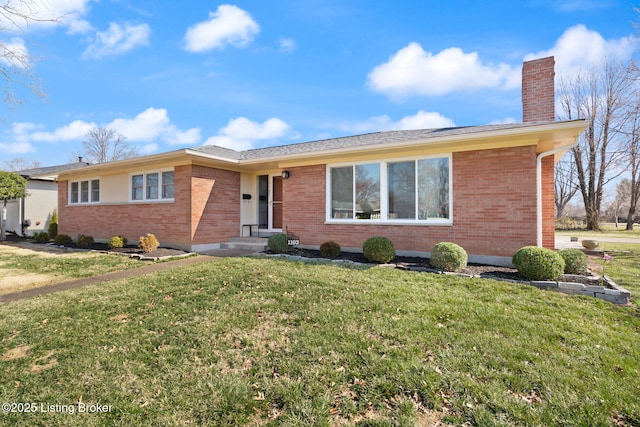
<point>408,222</point>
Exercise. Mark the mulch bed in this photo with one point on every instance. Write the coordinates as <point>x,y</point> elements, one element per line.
<point>482,270</point>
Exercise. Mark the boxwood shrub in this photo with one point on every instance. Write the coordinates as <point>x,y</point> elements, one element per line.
<point>448,256</point>
<point>378,249</point>
<point>575,261</point>
<point>85,241</point>
<point>279,243</point>
<point>117,242</point>
<point>329,249</point>
<point>62,239</point>
<point>536,263</point>
<point>41,237</point>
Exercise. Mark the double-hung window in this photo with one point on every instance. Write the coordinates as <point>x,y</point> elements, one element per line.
<point>152,186</point>
<point>396,191</point>
<point>84,192</point>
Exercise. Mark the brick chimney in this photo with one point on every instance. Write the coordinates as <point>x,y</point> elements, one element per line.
<point>538,103</point>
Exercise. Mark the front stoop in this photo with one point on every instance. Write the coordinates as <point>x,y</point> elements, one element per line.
<point>256,244</point>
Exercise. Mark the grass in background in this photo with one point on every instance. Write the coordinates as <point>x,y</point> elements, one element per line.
<point>269,342</point>
<point>608,230</point>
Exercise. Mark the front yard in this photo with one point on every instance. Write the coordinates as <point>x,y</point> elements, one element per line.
<point>272,342</point>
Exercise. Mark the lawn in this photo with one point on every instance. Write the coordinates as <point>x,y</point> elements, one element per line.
<point>270,342</point>
<point>608,230</point>
<point>24,266</point>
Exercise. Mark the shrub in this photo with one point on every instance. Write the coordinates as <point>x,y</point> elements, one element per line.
<point>378,249</point>
<point>41,237</point>
<point>329,249</point>
<point>536,263</point>
<point>62,239</point>
<point>279,243</point>
<point>117,242</point>
<point>447,256</point>
<point>53,225</point>
<point>85,241</point>
<point>575,261</point>
<point>148,243</point>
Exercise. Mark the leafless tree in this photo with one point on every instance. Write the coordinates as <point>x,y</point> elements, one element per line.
<point>19,164</point>
<point>16,63</point>
<point>106,145</point>
<point>633,155</point>
<point>566,184</point>
<point>599,95</point>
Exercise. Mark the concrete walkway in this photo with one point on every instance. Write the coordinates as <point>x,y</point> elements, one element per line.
<point>124,274</point>
<point>564,242</point>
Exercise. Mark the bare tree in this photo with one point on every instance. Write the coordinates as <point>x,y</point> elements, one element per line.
<point>600,96</point>
<point>106,145</point>
<point>621,201</point>
<point>566,184</point>
<point>16,64</point>
<point>20,163</point>
<point>633,153</point>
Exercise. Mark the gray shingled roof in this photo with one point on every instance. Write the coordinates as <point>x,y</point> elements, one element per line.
<point>50,170</point>
<point>369,139</point>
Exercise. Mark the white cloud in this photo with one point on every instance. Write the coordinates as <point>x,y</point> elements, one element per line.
<point>45,14</point>
<point>420,120</point>
<point>242,134</point>
<point>580,48</point>
<point>153,124</point>
<point>228,25</point>
<point>75,130</point>
<point>118,39</point>
<point>14,53</point>
<point>16,147</point>
<point>287,45</point>
<point>413,71</point>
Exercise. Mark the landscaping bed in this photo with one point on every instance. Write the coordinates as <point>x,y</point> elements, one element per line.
<point>589,284</point>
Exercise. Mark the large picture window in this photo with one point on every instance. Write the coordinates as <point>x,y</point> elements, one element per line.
<point>84,192</point>
<point>414,190</point>
<point>355,192</point>
<point>152,186</point>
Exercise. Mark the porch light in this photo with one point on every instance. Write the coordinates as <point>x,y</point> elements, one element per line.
<point>285,174</point>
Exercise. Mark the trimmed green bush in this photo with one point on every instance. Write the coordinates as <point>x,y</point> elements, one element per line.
<point>536,263</point>
<point>117,242</point>
<point>575,261</point>
<point>41,237</point>
<point>85,241</point>
<point>378,249</point>
<point>279,243</point>
<point>329,249</point>
<point>53,225</point>
<point>148,243</point>
<point>62,239</point>
<point>447,256</point>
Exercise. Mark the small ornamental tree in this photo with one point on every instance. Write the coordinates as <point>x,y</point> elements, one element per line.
<point>12,186</point>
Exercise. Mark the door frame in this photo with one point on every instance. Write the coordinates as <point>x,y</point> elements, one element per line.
<point>270,201</point>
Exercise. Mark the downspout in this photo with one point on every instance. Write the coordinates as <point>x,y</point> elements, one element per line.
<point>539,185</point>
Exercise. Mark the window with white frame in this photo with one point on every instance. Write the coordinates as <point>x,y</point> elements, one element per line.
<point>151,186</point>
<point>413,190</point>
<point>83,192</point>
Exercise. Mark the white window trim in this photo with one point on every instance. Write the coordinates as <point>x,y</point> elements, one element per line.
<point>144,186</point>
<point>79,182</point>
<point>384,194</point>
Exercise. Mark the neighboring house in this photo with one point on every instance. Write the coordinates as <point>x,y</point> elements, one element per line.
<point>42,199</point>
<point>488,188</point>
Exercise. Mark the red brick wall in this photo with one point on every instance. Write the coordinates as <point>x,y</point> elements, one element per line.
<point>494,207</point>
<point>538,102</point>
<point>205,210</point>
<point>548,203</point>
<point>215,205</point>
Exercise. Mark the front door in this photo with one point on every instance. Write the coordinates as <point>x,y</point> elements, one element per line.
<point>270,202</point>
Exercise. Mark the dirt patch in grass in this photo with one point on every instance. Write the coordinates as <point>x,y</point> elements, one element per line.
<point>16,353</point>
<point>18,280</point>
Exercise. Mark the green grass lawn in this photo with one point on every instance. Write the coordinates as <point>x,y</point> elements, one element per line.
<point>608,230</point>
<point>268,342</point>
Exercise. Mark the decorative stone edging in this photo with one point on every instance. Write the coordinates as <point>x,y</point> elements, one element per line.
<point>612,292</point>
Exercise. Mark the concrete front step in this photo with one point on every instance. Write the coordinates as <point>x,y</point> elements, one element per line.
<point>248,243</point>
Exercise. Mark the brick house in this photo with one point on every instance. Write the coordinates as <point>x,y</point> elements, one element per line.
<point>488,188</point>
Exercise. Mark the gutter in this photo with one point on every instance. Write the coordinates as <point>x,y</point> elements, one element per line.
<point>539,185</point>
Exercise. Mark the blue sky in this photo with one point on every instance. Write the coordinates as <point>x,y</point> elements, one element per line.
<point>246,74</point>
